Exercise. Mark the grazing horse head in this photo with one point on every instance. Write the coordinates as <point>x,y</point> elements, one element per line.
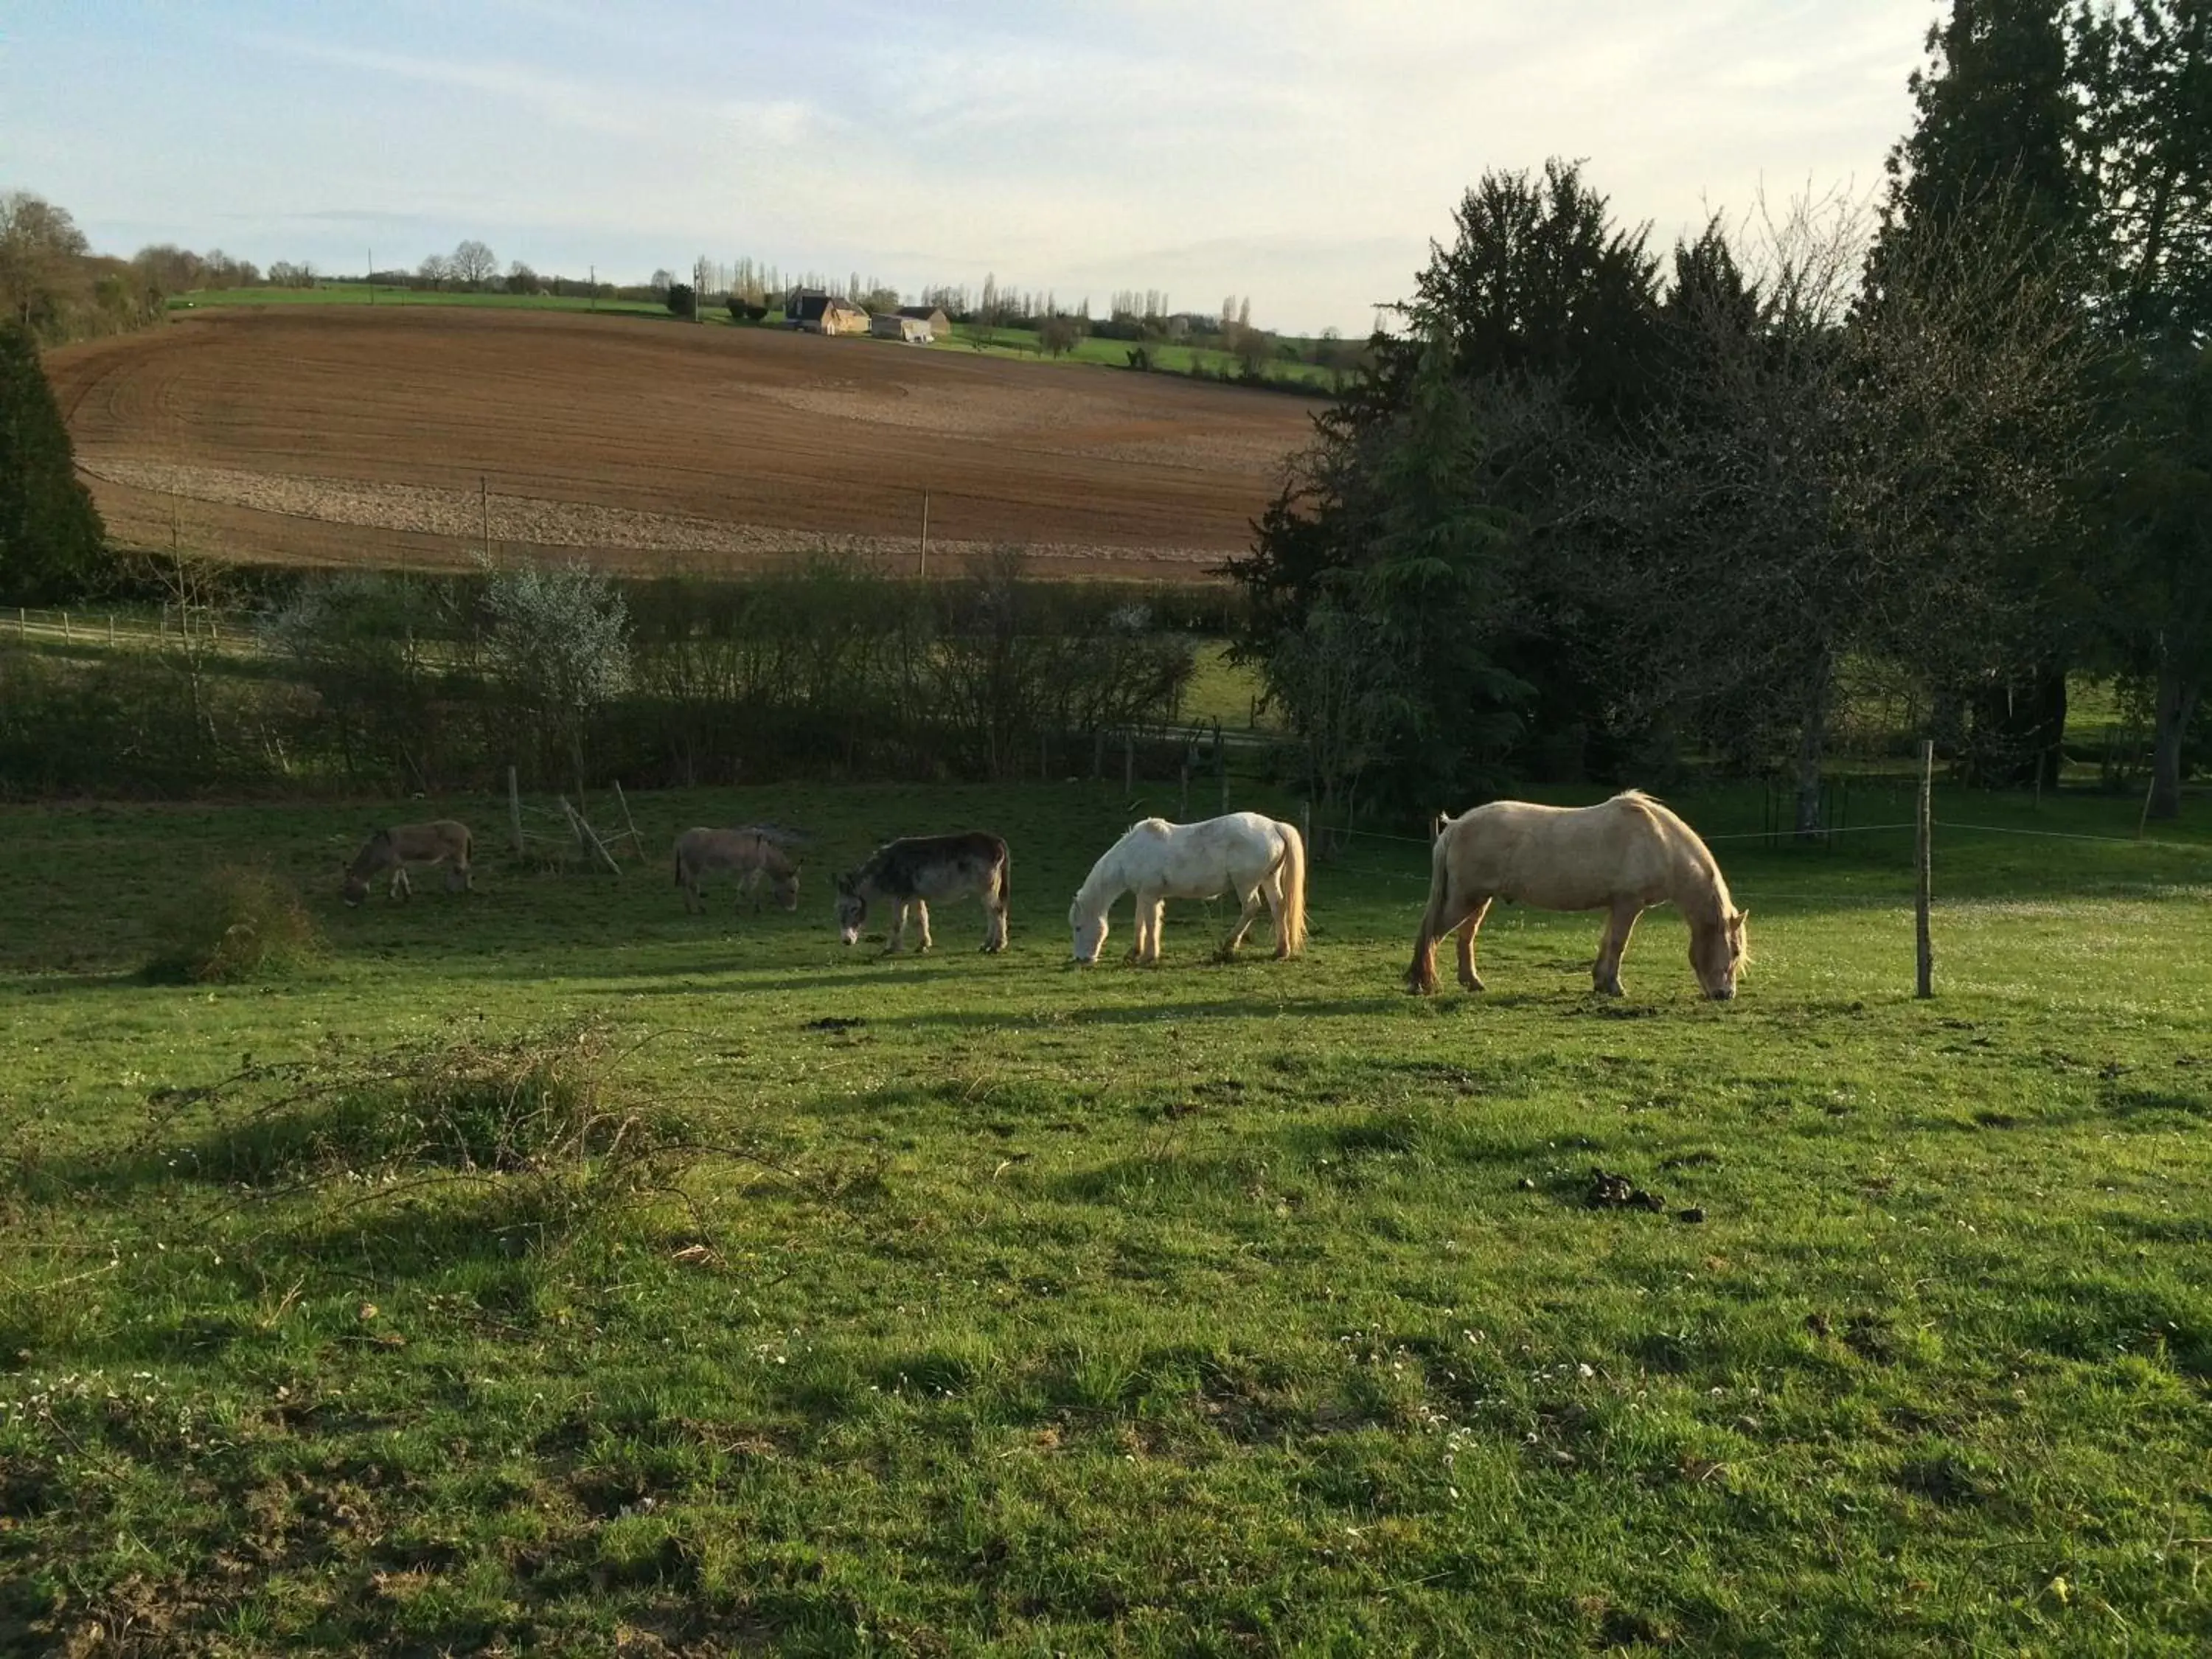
<point>1090,932</point>
<point>1717,949</point>
<point>852,908</point>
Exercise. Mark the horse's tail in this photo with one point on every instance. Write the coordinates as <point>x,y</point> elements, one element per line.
<point>1436,920</point>
<point>1293,934</point>
<point>1005,875</point>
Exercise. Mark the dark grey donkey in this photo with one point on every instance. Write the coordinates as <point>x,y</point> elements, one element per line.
<point>910,872</point>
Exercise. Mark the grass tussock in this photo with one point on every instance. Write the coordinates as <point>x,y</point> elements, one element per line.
<point>529,1104</point>
<point>235,923</point>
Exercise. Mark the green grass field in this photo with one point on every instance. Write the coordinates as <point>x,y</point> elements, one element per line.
<point>1017,343</point>
<point>967,1304</point>
<point>1167,358</point>
<point>359,294</point>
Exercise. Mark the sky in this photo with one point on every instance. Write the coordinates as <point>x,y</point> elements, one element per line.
<point>1300,153</point>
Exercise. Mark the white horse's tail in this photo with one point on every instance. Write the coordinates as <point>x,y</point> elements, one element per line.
<point>1291,938</point>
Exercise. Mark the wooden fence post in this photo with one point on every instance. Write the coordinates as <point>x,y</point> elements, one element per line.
<point>514,811</point>
<point>1221,765</point>
<point>1924,860</point>
<point>636,839</point>
<point>587,840</point>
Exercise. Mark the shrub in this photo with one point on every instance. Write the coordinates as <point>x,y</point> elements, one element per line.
<point>233,924</point>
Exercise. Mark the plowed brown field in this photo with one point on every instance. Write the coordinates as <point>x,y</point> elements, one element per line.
<point>415,434</point>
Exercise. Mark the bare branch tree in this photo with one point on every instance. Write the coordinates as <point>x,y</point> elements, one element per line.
<point>474,264</point>
<point>1845,469</point>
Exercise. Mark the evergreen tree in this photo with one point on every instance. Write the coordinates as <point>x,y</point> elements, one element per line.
<point>52,545</point>
<point>1420,516</point>
<point>1996,138</point>
<point>2146,73</point>
<point>1995,119</point>
<point>2146,77</point>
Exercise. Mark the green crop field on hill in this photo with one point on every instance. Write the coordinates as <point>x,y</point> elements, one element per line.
<point>546,1270</point>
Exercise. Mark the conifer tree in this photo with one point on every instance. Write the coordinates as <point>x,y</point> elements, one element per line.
<point>1996,139</point>
<point>52,545</point>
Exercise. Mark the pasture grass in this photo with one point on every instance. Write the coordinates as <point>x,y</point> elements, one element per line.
<point>546,1270</point>
<point>1227,691</point>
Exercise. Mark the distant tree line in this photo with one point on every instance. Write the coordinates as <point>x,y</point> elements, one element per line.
<point>55,289</point>
<point>1592,512</point>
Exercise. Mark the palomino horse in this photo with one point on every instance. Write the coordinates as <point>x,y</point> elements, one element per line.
<point>910,872</point>
<point>1256,857</point>
<point>1622,856</point>
<point>441,841</point>
<point>750,853</point>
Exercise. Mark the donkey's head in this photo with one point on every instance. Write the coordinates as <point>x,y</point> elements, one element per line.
<point>852,908</point>
<point>1717,949</point>
<point>375,854</point>
<point>785,888</point>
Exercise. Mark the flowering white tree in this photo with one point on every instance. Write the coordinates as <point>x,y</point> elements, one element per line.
<point>558,646</point>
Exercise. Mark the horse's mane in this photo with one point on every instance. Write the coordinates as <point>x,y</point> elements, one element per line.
<point>1675,823</point>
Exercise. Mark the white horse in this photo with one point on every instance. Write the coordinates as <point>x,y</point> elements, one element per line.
<point>1256,857</point>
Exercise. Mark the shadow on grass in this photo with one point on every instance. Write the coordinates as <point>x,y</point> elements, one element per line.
<point>1140,1013</point>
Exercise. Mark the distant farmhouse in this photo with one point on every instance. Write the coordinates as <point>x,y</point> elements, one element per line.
<point>940,325</point>
<point>812,312</point>
<point>903,325</point>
